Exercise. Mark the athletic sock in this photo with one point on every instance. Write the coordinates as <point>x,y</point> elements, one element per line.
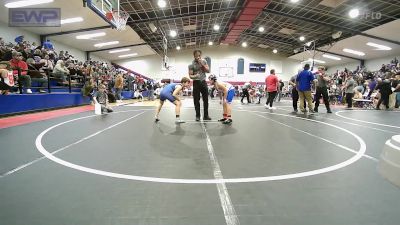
<point>225,115</point>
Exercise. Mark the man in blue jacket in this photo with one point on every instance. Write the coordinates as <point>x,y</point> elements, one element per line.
<point>304,80</point>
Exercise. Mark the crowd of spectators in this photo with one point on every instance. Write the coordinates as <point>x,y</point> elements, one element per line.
<point>39,64</point>
<point>378,87</point>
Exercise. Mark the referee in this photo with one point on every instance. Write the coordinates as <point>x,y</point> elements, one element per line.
<point>322,89</point>
<point>197,72</point>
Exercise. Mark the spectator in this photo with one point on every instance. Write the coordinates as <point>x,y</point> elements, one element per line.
<point>26,52</point>
<point>61,56</point>
<point>150,88</point>
<point>19,39</point>
<point>304,80</point>
<point>295,93</point>
<point>272,86</point>
<point>138,94</point>
<point>17,63</point>
<point>280,91</point>
<point>383,68</point>
<point>72,69</point>
<point>34,46</point>
<point>357,94</point>
<point>47,63</point>
<point>245,92</point>
<point>384,88</point>
<point>48,45</point>
<point>37,55</point>
<point>396,89</point>
<point>101,98</point>
<point>372,85</point>
<point>349,90</point>
<point>60,71</point>
<point>7,52</point>
<point>131,82</point>
<point>36,75</point>
<point>119,85</point>
<point>5,83</point>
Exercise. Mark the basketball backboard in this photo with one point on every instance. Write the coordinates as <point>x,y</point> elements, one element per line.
<point>102,7</point>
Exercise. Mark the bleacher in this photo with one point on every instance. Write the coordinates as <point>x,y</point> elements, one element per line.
<point>66,91</point>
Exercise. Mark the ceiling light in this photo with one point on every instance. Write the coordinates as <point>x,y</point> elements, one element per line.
<point>178,47</point>
<point>331,57</point>
<point>88,36</point>
<point>161,3</point>
<point>261,29</point>
<point>119,50</point>
<point>172,33</point>
<point>244,44</point>
<point>23,3</point>
<point>294,1</point>
<point>354,13</point>
<point>72,20</point>
<point>315,60</point>
<point>337,35</point>
<point>210,43</point>
<point>379,47</point>
<point>275,51</point>
<point>153,28</point>
<point>128,55</point>
<point>354,52</point>
<point>216,27</point>
<point>99,45</point>
<point>302,38</point>
<point>263,46</point>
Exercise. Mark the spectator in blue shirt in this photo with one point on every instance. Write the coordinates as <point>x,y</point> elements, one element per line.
<point>19,39</point>
<point>48,45</point>
<point>304,80</point>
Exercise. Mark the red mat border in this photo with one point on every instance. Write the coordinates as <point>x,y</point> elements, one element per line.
<point>41,116</point>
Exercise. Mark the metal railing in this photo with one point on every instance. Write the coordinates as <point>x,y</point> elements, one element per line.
<point>49,77</point>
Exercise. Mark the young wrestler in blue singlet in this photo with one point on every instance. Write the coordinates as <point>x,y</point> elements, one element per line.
<point>228,92</point>
<point>171,93</point>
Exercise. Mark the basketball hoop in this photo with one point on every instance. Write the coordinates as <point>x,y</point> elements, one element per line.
<point>119,18</point>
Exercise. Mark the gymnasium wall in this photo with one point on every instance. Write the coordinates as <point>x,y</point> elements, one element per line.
<point>93,57</point>
<point>10,33</point>
<point>224,57</point>
<point>350,66</point>
<point>376,64</point>
<point>78,54</point>
<point>371,65</point>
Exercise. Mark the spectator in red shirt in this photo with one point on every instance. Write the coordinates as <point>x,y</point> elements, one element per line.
<point>16,62</point>
<point>272,84</point>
